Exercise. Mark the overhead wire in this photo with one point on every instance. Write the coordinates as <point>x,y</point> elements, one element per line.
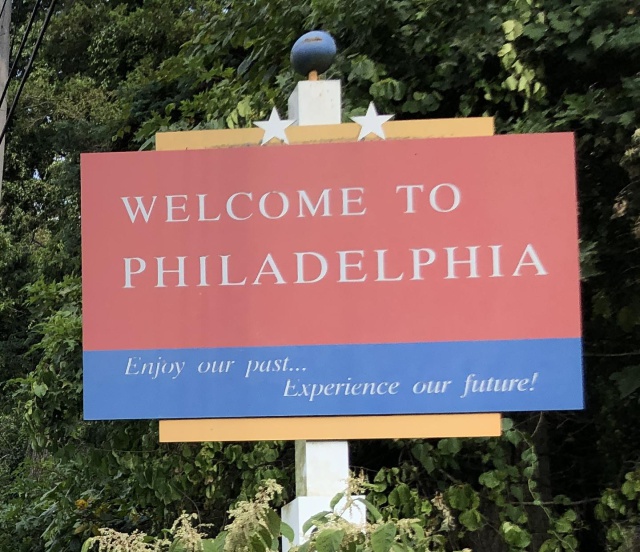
<point>18,55</point>
<point>4,5</point>
<point>27,70</point>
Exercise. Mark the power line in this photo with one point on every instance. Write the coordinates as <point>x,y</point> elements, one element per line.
<point>4,5</point>
<point>20,49</point>
<point>5,58</point>
<point>27,70</point>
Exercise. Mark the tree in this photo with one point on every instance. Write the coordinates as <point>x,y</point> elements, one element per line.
<point>112,74</point>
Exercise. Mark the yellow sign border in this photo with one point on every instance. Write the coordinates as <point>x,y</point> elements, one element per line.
<point>319,428</point>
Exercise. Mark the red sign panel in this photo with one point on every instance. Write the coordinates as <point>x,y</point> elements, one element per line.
<point>272,252</point>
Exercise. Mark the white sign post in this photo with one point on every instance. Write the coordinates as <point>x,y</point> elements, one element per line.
<point>322,467</point>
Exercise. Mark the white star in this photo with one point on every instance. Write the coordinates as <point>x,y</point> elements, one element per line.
<point>274,127</point>
<point>371,123</point>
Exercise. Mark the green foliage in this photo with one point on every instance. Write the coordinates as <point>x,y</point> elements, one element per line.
<point>502,499</point>
<point>112,74</point>
<point>620,510</point>
<point>256,527</point>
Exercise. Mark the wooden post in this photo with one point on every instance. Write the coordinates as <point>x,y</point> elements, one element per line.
<point>5,52</point>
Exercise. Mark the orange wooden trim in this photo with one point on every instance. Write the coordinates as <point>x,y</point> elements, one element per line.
<point>334,427</point>
<point>346,132</point>
<point>330,428</point>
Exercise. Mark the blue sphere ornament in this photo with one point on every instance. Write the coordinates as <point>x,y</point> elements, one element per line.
<point>314,51</point>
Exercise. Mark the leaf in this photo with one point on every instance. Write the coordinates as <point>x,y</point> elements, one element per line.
<point>81,528</point>
<point>565,523</point>
<point>627,119</point>
<point>177,546</point>
<point>287,531</point>
<point>335,500</point>
<point>563,526</point>
<point>387,89</point>
<point>517,492</point>
<point>266,535</point>
<point>627,380</point>
<point>375,513</point>
<point>511,82</point>
<point>627,318</point>
<point>471,519</point>
<point>418,530</point>
<point>214,545</point>
<point>529,456</point>
<point>314,520</point>
<point>507,424</point>
<point>378,487</point>
<point>422,453</point>
<point>505,49</point>
<point>512,29</point>
<point>382,537</point>
<point>404,492</point>
<point>515,535</point>
<point>457,497</point>
<point>598,38</point>
<point>468,497</point>
<point>489,480</point>
<point>561,25</point>
<point>450,446</point>
<point>363,69</point>
<point>40,389</point>
<point>257,543</point>
<point>513,436</point>
<point>515,513</point>
<point>535,31</point>
<point>244,65</point>
<point>329,540</point>
<point>273,522</point>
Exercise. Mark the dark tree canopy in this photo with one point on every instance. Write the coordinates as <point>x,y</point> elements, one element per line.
<point>111,74</point>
